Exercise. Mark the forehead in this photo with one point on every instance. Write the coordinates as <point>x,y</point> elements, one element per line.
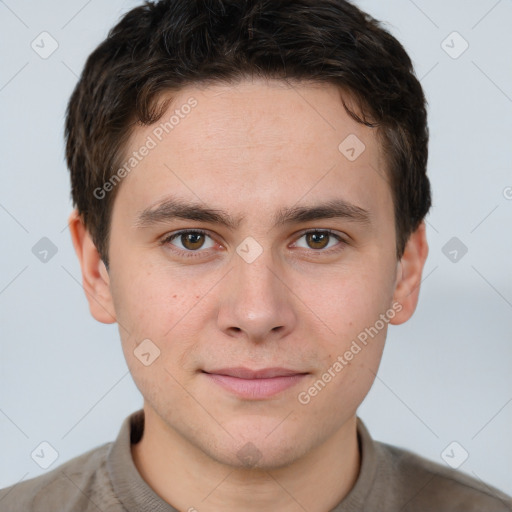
<point>275,141</point>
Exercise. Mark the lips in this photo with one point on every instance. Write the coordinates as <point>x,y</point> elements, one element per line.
<point>245,373</point>
<point>254,384</point>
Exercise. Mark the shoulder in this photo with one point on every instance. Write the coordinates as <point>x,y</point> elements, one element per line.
<point>80,484</point>
<point>427,485</point>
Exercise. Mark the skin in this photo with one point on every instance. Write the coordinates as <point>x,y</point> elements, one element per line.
<point>251,149</point>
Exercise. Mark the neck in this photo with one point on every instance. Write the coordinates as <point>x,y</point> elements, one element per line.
<point>188,479</point>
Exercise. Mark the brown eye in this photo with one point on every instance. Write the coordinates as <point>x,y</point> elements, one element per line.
<point>320,240</point>
<point>317,239</point>
<point>192,240</point>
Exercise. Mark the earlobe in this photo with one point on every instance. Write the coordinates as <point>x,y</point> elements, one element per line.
<point>95,278</point>
<point>409,272</point>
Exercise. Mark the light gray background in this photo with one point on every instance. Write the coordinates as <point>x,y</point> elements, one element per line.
<point>446,374</point>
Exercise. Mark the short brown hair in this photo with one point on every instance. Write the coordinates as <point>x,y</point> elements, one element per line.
<point>166,45</point>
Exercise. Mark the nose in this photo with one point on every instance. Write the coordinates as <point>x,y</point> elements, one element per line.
<point>257,302</point>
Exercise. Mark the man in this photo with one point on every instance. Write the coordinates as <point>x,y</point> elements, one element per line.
<point>250,188</point>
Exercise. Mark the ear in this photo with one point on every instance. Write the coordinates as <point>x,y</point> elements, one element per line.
<point>410,268</point>
<point>95,278</point>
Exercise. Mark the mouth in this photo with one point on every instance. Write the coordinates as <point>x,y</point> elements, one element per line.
<point>255,384</point>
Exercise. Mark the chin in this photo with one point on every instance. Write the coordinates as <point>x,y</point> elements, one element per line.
<point>267,450</point>
<point>253,458</point>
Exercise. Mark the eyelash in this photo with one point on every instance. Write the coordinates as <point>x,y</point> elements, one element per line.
<point>195,254</point>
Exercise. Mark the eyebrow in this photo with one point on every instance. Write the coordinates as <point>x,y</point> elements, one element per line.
<point>174,208</point>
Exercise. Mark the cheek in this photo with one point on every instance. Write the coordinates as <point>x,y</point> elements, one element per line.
<point>151,300</point>
<point>349,363</point>
<point>163,306</point>
<point>357,308</point>
<point>352,298</point>
<point>159,325</point>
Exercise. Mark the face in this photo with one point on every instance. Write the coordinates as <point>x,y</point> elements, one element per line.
<point>290,261</point>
